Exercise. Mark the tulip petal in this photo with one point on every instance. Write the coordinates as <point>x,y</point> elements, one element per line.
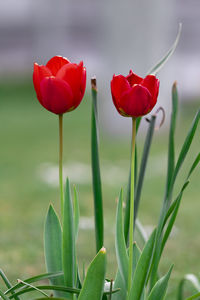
<point>56,94</point>
<point>119,85</point>
<point>39,73</point>
<point>136,102</point>
<point>56,63</point>
<point>152,84</point>
<point>75,76</point>
<point>133,78</point>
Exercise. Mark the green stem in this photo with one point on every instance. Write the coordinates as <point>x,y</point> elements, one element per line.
<point>130,263</point>
<point>61,162</point>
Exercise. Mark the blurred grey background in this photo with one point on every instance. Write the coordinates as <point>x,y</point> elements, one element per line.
<point>109,36</point>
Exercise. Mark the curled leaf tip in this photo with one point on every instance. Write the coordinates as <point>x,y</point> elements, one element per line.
<point>94,83</point>
<point>163,117</point>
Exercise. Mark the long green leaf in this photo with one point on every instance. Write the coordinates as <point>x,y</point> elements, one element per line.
<point>159,290</point>
<point>120,245</point>
<point>171,150</point>
<point>7,282</point>
<point>142,268</point>
<point>53,246</point>
<point>68,249</point>
<point>145,156</point>
<point>35,279</point>
<point>68,291</point>
<point>184,150</point>
<point>162,62</point>
<point>193,280</point>
<point>76,213</point>
<point>96,176</point>
<point>94,281</point>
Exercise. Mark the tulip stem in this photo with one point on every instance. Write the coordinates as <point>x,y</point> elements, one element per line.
<point>130,264</point>
<point>61,162</point>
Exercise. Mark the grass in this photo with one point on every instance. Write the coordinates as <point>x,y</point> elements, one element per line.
<point>29,138</point>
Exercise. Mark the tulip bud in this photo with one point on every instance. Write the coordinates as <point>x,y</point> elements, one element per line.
<point>60,85</point>
<point>134,96</point>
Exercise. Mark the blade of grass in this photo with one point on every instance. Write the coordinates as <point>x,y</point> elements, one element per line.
<point>162,62</point>
<point>7,282</point>
<point>33,287</point>
<point>96,176</point>
<point>34,279</point>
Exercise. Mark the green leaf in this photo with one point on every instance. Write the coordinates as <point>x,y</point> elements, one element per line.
<point>159,290</point>
<point>171,150</point>
<point>193,280</point>
<point>68,250</point>
<point>174,204</point>
<point>96,176</point>
<point>3,296</point>
<point>120,245</point>
<point>196,296</point>
<point>119,283</point>
<point>162,62</point>
<point>7,282</point>
<point>143,164</point>
<point>35,279</point>
<point>53,245</point>
<point>184,150</point>
<point>67,290</point>
<point>94,281</point>
<point>142,269</point>
<point>76,213</point>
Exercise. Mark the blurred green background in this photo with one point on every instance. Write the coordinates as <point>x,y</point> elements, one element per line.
<point>28,156</point>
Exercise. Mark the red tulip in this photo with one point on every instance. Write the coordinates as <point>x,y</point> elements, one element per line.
<point>134,96</point>
<point>60,85</point>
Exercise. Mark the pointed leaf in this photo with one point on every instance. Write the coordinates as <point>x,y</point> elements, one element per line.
<point>76,213</point>
<point>171,150</point>
<point>142,269</point>
<point>94,281</point>
<point>96,176</point>
<point>159,290</point>
<point>53,246</point>
<point>69,259</point>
